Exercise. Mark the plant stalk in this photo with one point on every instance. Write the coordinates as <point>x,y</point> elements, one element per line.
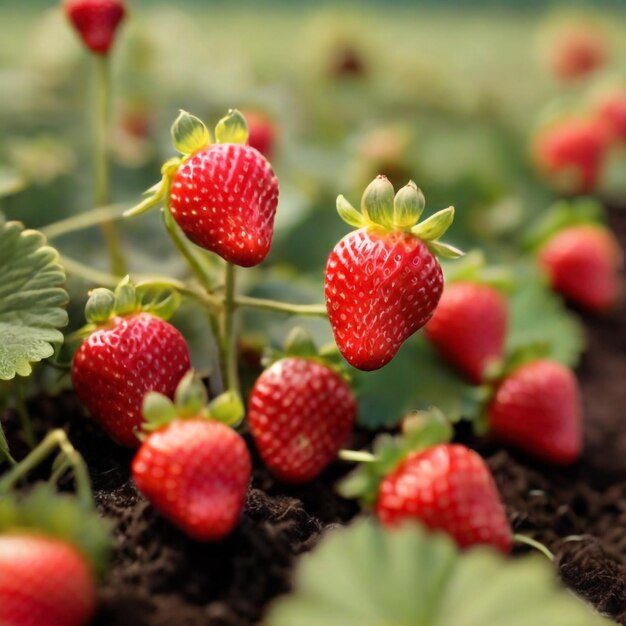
<point>229,331</point>
<point>56,439</point>
<point>311,310</point>
<point>101,165</point>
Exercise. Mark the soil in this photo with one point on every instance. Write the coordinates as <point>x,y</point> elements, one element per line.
<point>160,578</point>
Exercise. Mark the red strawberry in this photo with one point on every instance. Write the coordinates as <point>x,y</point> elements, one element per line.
<point>578,51</point>
<point>96,21</point>
<point>447,487</point>
<point>121,361</point>
<point>300,413</point>
<point>582,262</point>
<point>570,154</point>
<point>468,327</point>
<point>380,288</point>
<point>224,198</point>
<point>537,408</point>
<point>196,473</point>
<point>44,582</point>
<point>611,110</point>
<point>262,133</point>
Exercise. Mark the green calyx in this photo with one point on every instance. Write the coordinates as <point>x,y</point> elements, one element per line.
<point>420,430</point>
<point>191,401</point>
<point>43,512</point>
<point>189,135</point>
<point>473,268</point>
<point>128,299</point>
<point>382,210</point>
<point>564,214</point>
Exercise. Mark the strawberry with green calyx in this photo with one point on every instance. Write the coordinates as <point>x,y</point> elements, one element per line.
<point>130,350</point>
<point>383,281</point>
<point>193,466</point>
<point>96,21</point>
<point>580,256</point>
<point>420,476</point>
<point>52,551</point>
<point>468,328</point>
<point>301,411</point>
<point>535,405</point>
<point>222,195</point>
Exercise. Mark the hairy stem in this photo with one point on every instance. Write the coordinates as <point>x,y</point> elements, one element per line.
<point>56,439</point>
<point>88,219</point>
<point>311,310</point>
<point>101,165</point>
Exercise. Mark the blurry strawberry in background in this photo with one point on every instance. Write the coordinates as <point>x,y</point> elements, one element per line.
<point>346,61</point>
<point>135,119</point>
<point>262,132</point>
<point>570,152</point>
<point>610,109</point>
<point>576,50</point>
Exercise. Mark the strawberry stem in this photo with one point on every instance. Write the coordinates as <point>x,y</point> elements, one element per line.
<point>537,545</point>
<point>311,310</point>
<point>101,167</point>
<point>229,339</point>
<point>93,217</point>
<point>56,439</point>
<point>356,456</point>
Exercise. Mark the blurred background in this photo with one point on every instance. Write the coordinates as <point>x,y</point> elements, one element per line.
<point>457,96</point>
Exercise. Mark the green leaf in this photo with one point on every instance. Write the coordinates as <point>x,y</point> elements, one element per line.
<point>189,133</point>
<point>364,575</point>
<point>538,316</point>
<point>386,395</point>
<point>31,299</point>
<point>445,250</point>
<point>435,226</point>
<point>227,408</point>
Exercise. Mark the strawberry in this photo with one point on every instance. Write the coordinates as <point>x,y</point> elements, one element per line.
<point>262,133</point>
<point>96,21</point>
<point>537,408</point>
<point>383,280</point>
<point>43,581</point>
<point>578,50</point>
<point>468,327</point>
<point>571,153</point>
<point>447,487</point>
<point>300,413</point>
<point>611,111</point>
<point>122,359</point>
<point>196,473</point>
<point>582,262</point>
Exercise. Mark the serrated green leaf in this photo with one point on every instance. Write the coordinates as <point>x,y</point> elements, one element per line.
<point>387,394</point>
<point>364,575</point>
<point>31,299</point>
<point>538,316</point>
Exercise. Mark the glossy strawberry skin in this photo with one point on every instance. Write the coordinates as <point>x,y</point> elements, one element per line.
<point>447,487</point>
<point>44,582</point>
<point>380,288</point>
<point>468,327</point>
<point>224,198</point>
<point>582,263</point>
<point>96,21</point>
<point>537,409</point>
<point>119,363</point>
<point>301,413</point>
<point>196,473</point>
<point>575,148</point>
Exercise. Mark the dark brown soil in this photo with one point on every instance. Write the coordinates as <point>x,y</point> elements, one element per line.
<point>161,578</point>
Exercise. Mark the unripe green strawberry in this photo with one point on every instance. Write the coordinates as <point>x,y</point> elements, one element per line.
<point>96,21</point>
<point>44,582</point>
<point>300,413</point>
<point>446,487</point>
<point>121,360</point>
<point>383,281</point>
<point>196,473</point>
<point>582,262</point>
<point>468,327</point>
<point>537,408</point>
